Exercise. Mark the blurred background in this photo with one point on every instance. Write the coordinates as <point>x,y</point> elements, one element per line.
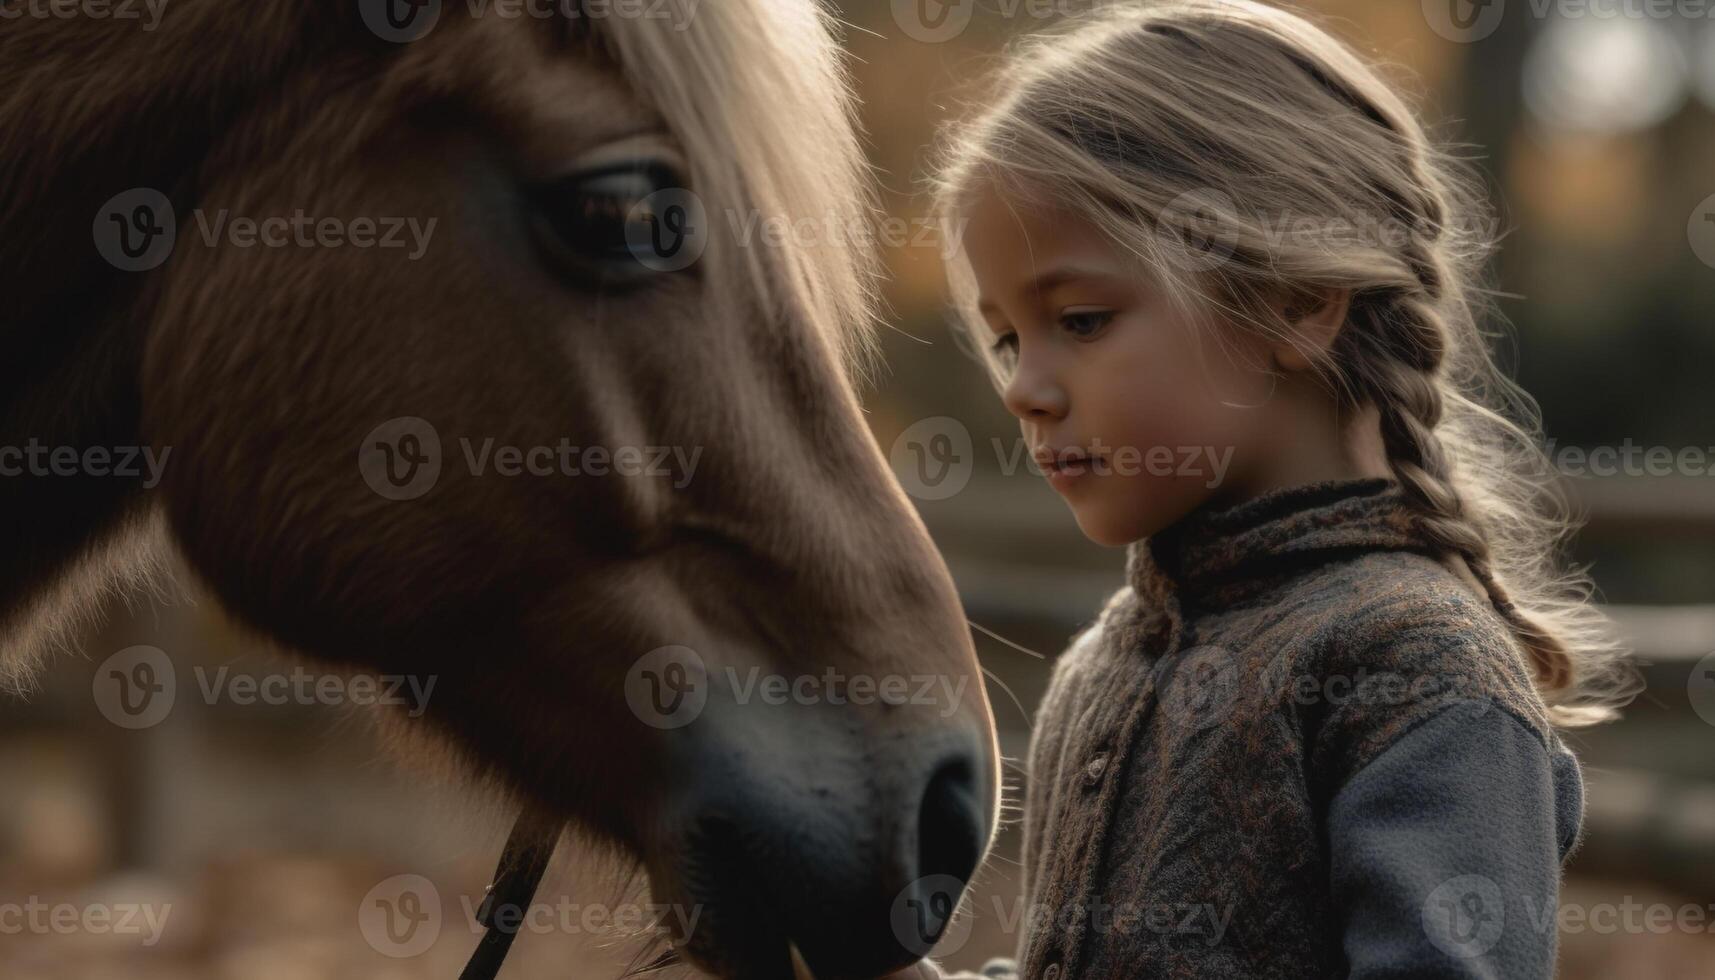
<point>1594,123</point>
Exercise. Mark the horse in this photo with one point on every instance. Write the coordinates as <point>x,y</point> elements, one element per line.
<point>364,446</point>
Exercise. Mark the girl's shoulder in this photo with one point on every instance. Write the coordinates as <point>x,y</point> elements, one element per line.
<point>1404,637</point>
<point>1412,613</point>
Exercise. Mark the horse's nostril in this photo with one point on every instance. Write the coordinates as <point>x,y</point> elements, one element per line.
<point>950,824</point>
<point>862,879</point>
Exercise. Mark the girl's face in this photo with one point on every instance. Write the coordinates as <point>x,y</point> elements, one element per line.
<point>1119,399</point>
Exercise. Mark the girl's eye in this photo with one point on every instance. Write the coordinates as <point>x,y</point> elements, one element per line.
<point>590,222</point>
<point>1086,323</point>
<point>1006,348</point>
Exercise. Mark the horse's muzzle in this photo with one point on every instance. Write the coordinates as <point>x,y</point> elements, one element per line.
<point>858,861</point>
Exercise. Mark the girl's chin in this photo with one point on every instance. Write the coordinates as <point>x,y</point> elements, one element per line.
<point>1105,529</point>
<point>1116,523</point>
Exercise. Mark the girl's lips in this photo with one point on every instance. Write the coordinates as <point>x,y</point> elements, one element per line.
<point>1063,471</point>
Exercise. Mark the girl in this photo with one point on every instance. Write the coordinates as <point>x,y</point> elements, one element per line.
<point>1316,733</point>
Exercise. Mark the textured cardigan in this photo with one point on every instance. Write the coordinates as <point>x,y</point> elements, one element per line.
<point>1294,745</point>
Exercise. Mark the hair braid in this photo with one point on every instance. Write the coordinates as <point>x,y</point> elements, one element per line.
<point>1408,344</point>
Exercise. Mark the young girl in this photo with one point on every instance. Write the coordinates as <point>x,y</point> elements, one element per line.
<point>1315,735</point>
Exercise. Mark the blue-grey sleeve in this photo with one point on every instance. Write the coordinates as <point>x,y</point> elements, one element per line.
<point>1446,849</point>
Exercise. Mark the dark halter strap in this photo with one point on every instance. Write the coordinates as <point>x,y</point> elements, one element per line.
<point>522,864</point>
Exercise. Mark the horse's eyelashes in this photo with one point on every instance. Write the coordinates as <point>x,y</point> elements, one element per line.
<point>603,223</point>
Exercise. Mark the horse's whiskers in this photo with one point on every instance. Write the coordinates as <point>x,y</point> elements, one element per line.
<point>669,957</point>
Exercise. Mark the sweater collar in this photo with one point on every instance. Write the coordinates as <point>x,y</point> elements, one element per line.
<point>1218,555</point>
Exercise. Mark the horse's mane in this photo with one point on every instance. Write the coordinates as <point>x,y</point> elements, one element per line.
<point>755,90</point>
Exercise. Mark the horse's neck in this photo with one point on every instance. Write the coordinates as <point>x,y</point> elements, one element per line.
<point>90,108</point>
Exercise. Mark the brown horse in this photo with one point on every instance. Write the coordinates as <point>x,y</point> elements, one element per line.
<point>194,245</point>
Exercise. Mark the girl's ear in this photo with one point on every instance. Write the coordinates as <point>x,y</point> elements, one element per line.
<point>1313,320</point>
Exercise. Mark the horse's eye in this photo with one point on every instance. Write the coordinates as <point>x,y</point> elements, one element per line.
<point>617,222</point>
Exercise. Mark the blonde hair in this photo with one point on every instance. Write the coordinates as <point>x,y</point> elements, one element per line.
<point>760,90</point>
<point>1191,132</point>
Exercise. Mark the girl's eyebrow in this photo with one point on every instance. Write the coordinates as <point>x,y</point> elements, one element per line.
<point>1044,281</point>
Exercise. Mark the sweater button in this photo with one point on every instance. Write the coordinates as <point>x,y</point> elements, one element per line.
<point>1052,973</point>
<point>1094,769</point>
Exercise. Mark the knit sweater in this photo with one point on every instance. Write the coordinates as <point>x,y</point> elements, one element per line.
<point>1295,744</point>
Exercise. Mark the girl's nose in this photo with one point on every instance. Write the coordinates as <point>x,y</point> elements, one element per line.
<point>1034,392</point>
